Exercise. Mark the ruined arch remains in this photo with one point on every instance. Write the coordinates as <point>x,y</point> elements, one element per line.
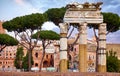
<point>83,15</point>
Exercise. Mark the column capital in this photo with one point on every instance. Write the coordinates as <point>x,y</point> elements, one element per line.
<point>83,27</point>
<point>102,28</point>
<point>63,27</point>
<point>102,25</point>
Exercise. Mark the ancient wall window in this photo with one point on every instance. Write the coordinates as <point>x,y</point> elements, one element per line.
<point>36,64</point>
<point>8,66</point>
<point>45,64</point>
<point>51,56</point>
<point>51,61</point>
<point>47,56</point>
<point>36,55</point>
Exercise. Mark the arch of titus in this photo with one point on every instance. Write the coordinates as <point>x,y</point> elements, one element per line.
<point>83,15</point>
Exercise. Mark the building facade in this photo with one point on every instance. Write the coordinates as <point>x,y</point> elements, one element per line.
<point>7,57</point>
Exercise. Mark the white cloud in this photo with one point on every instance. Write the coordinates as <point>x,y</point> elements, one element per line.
<point>49,26</point>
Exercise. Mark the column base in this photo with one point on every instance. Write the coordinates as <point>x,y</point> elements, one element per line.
<point>101,68</point>
<point>63,65</point>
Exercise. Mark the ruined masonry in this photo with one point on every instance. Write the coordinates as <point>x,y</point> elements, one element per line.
<point>81,15</point>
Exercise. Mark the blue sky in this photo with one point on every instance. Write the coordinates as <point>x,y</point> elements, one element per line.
<point>13,8</point>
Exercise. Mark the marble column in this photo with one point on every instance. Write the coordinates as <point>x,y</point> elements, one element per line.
<point>63,47</point>
<point>83,47</point>
<point>102,48</point>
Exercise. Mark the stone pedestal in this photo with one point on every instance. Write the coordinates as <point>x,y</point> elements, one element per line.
<point>102,48</point>
<point>63,47</point>
<point>83,47</point>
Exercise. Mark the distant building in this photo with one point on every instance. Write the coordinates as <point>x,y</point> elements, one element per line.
<point>7,57</point>
<point>49,58</point>
<point>2,31</point>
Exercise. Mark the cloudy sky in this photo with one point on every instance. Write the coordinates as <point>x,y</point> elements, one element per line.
<point>13,8</point>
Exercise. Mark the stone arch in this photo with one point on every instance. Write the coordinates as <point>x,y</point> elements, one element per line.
<point>36,54</point>
<point>45,63</point>
<point>36,64</point>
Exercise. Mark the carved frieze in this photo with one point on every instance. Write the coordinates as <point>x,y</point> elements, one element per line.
<point>78,13</point>
<point>83,14</point>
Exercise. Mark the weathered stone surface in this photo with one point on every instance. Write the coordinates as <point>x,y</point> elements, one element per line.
<point>63,47</point>
<point>78,13</point>
<point>82,58</point>
<point>102,48</point>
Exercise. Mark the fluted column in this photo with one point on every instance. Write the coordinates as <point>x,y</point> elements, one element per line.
<point>63,47</point>
<point>102,48</point>
<point>83,47</point>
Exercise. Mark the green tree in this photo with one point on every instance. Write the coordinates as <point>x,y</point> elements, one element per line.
<point>56,15</point>
<point>113,63</point>
<point>6,40</point>
<point>112,21</point>
<point>46,37</point>
<point>25,62</point>
<point>19,58</point>
<point>24,27</point>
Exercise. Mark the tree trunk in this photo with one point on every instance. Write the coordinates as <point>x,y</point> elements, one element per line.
<point>97,57</point>
<point>42,60</point>
<point>2,47</point>
<point>97,47</point>
<point>43,45</point>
